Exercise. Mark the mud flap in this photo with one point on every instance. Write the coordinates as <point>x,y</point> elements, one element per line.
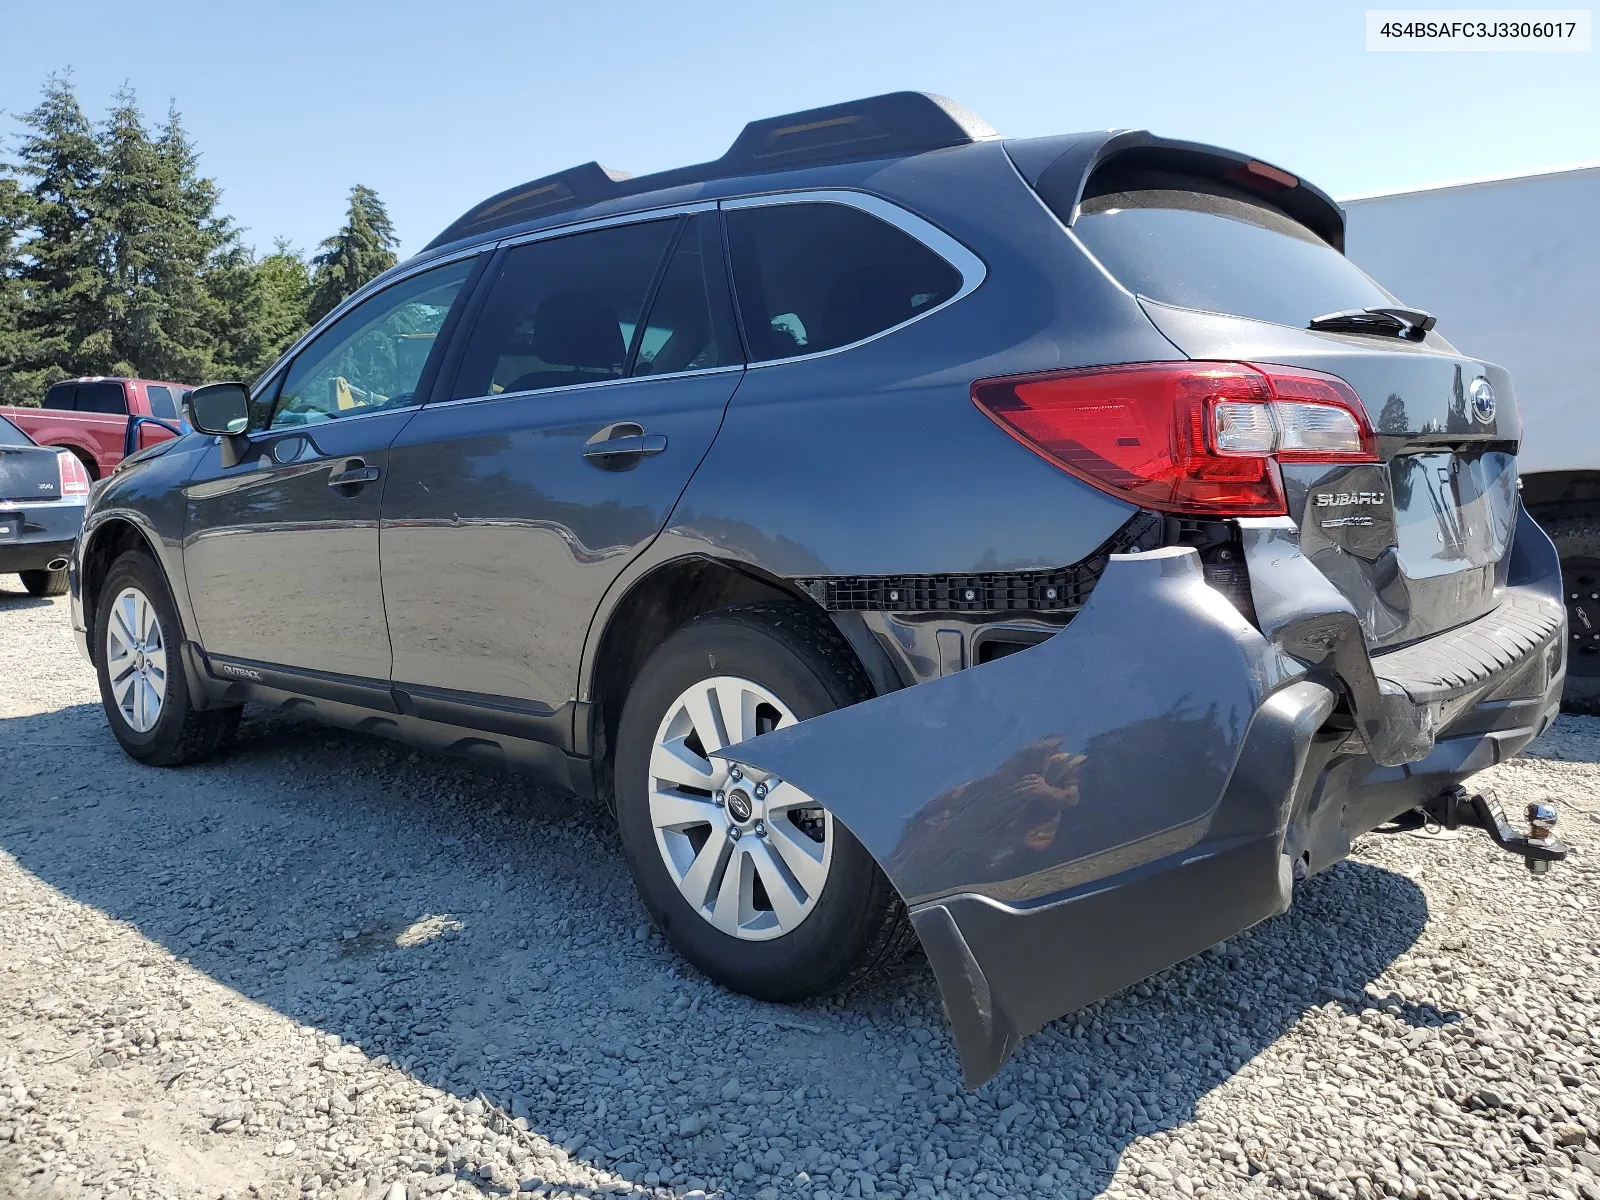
<point>1054,820</point>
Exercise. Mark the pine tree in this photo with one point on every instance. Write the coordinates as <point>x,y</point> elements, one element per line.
<point>361,251</point>
<point>264,306</point>
<point>14,211</point>
<point>161,234</point>
<point>60,318</point>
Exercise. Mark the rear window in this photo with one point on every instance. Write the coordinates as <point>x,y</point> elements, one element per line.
<point>10,435</point>
<point>101,398</point>
<point>162,403</point>
<point>814,276</point>
<point>1221,254</point>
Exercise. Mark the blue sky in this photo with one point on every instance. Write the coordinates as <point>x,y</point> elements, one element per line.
<point>439,105</point>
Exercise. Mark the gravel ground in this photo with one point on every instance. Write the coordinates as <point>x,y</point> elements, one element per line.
<point>327,966</point>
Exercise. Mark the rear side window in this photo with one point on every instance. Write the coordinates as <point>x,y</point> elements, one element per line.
<point>162,403</point>
<point>564,311</point>
<point>10,435</point>
<point>815,275</point>
<point>102,398</point>
<point>62,396</point>
<point>691,325</point>
<point>1218,253</point>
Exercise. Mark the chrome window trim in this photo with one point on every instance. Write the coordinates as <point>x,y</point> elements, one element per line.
<point>273,431</point>
<point>381,284</point>
<point>968,265</point>
<point>628,218</point>
<point>583,387</point>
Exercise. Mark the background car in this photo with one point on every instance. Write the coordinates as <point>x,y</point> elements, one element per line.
<point>90,417</point>
<point>42,494</point>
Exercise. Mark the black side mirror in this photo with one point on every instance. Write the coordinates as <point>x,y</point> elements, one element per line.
<point>219,408</point>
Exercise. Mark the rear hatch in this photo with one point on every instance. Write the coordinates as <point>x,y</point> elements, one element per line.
<point>1417,541</point>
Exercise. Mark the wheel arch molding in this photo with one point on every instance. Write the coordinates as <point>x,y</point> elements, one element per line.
<point>654,597</point>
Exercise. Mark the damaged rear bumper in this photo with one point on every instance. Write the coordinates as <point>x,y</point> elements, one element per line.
<point>1072,818</point>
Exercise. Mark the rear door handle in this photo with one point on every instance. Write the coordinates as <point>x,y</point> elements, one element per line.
<point>623,442</point>
<point>640,444</point>
<point>354,474</point>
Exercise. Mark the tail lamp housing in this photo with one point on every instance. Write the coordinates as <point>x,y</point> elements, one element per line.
<point>74,478</point>
<point>1202,438</point>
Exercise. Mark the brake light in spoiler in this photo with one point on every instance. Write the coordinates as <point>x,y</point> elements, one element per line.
<point>1199,438</point>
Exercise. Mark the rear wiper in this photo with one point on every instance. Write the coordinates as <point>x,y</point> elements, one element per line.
<point>1410,323</point>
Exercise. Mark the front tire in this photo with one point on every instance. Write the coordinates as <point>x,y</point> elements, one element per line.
<point>45,582</point>
<point>137,640</point>
<point>1577,541</point>
<point>763,890</point>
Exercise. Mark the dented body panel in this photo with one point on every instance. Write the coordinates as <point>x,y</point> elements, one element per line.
<point>1076,816</point>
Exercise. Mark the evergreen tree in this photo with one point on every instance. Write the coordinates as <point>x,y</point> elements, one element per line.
<point>60,317</point>
<point>361,251</point>
<point>264,308</point>
<point>160,234</point>
<point>14,210</point>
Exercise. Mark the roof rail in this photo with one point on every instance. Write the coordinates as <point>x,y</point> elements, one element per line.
<point>894,124</point>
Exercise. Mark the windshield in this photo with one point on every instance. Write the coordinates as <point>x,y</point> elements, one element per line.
<point>1221,254</point>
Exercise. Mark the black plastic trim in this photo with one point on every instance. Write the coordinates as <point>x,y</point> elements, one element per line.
<point>1059,589</point>
<point>492,714</point>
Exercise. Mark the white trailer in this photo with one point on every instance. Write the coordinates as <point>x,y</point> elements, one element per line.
<point>1511,268</point>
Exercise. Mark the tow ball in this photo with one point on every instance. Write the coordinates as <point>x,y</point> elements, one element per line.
<point>1539,847</point>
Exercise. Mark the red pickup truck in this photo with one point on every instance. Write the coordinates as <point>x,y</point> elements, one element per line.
<point>90,417</point>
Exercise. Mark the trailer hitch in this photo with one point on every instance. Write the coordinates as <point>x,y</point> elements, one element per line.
<point>1539,847</point>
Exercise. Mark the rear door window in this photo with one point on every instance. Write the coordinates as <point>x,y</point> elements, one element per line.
<point>162,403</point>
<point>816,275</point>
<point>63,397</point>
<point>1223,254</point>
<point>102,398</point>
<point>565,311</point>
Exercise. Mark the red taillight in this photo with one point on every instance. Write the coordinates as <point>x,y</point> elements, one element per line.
<point>74,479</point>
<point>1189,437</point>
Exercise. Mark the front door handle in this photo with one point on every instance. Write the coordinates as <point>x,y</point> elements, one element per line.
<point>622,445</point>
<point>354,474</point>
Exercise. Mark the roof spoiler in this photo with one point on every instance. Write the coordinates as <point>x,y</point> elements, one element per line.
<point>1065,171</point>
<point>897,123</point>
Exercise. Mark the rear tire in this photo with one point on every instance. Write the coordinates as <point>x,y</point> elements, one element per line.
<point>44,582</point>
<point>1577,542</point>
<point>147,706</point>
<point>849,921</point>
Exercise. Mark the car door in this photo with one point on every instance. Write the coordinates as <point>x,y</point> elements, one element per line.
<point>570,426</point>
<point>281,542</point>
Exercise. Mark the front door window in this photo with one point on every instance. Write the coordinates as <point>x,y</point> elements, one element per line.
<point>371,358</point>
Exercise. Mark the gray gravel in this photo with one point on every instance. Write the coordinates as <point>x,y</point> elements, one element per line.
<point>328,966</point>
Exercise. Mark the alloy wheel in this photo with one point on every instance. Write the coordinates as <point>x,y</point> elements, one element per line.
<point>749,852</point>
<point>136,660</point>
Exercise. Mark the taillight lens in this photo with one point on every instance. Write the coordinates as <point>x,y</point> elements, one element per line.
<point>1186,437</point>
<point>74,479</point>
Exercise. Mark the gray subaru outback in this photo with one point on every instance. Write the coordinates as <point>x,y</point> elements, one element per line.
<point>1052,551</point>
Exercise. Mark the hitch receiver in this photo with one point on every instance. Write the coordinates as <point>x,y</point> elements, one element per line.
<point>1539,847</point>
